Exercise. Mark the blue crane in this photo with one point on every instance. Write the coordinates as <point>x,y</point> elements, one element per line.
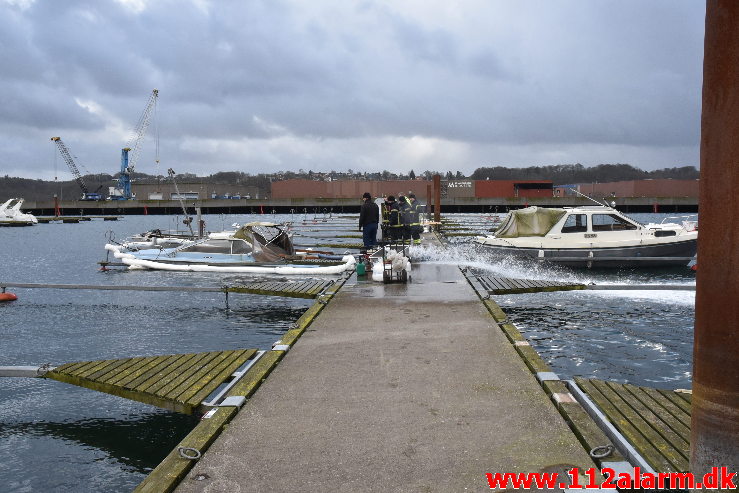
<point>130,153</point>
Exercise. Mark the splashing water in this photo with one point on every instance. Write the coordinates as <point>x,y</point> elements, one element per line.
<point>484,262</point>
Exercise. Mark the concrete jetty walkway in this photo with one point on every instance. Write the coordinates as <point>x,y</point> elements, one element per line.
<point>393,388</point>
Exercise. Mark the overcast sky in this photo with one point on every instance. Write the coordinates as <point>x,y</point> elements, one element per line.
<point>267,85</point>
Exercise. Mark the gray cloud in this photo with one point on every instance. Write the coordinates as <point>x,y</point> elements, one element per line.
<point>266,85</point>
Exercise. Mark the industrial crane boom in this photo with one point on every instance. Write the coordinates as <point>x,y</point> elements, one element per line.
<point>134,142</point>
<point>130,153</point>
<point>86,195</point>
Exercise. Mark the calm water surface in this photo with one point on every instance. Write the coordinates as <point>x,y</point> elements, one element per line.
<point>57,437</point>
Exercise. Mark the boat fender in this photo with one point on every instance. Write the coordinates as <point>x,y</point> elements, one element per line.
<point>8,297</point>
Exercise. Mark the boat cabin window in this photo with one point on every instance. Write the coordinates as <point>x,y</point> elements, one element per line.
<point>240,247</point>
<point>610,222</point>
<point>576,223</point>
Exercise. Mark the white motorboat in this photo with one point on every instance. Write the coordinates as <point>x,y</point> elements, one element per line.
<point>11,215</point>
<point>253,248</point>
<point>593,236</point>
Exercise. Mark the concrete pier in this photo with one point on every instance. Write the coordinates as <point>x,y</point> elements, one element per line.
<point>397,387</point>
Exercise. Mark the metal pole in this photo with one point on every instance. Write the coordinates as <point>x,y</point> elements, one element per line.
<point>428,202</point>
<point>437,198</point>
<point>715,405</point>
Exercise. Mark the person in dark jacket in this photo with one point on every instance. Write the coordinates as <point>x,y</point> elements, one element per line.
<point>404,208</point>
<point>369,216</point>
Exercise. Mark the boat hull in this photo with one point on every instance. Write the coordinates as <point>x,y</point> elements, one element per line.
<point>676,253</point>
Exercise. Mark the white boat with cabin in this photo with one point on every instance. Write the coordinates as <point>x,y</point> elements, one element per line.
<point>258,247</point>
<point>11,215</point>
<point>592,236</point>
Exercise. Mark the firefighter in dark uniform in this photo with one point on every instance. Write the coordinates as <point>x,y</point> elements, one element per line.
<point>395,221</point>
<point>414,219</point>
<point>385,220</point>
<point>404,208</point>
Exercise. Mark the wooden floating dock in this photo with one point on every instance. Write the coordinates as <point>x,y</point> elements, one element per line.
<point>508,285</point>
<point>74,219</point>
<point>655,422</point>
<point>304,289</point>
<point>179,382</point>
<point>311,288</point>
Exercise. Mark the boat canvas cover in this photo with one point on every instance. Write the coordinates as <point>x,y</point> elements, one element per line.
<point>531,221</point>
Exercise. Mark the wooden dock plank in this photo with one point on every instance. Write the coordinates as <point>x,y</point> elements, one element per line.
<point>686,397</point>
<point>509,285</point>
<point>181,366</point>
<point>665,403</point>
<point>85,365</point>
<point>150,362</point>
<point>676,399</point>
<point>155,367</point>
<point>172,365</point>
<point>204,359</point>
<point>115,367</point>
<point>178,382</point>
<point>291,289</point>
<point>192,378</point>
<point>92,369</point>
<point>221,369</point>
<point>664,414</point>
<point>195,382</point>
<point>670,455</point>
<point>69,367</point>
<point>217,378</point>
<point>626,427</point>
<point>680,448</point>
<point>115,378</point>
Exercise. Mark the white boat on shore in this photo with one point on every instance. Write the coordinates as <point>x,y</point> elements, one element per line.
<point>592,236</point>
<point>11,215</point>
<point>260,248</point>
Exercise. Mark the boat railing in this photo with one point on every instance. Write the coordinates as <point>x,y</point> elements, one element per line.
<point>173,252</point>
<point>687,217</point>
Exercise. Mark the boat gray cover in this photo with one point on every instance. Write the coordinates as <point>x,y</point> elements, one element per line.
<point>531,221</point>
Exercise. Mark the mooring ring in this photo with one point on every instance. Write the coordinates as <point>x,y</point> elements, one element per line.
<point>189,453</point>
<point>606,451</point>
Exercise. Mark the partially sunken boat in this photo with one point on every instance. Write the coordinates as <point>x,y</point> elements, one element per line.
<point>259,247</point>
<point>11,214</point>
<point>596,236</point>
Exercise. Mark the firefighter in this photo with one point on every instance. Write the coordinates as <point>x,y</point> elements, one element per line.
<point>404,208</point>
<point>414,219</point>
<point>385,220</point>
<point>395,221</point>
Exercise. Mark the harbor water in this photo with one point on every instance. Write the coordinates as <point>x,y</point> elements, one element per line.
<point>58,437</point>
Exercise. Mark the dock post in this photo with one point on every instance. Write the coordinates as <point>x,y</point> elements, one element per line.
<point>437,198</point>
<point>715,414</point>
<point>428,202</point>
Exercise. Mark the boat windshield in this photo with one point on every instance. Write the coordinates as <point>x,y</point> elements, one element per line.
<point>611,222</point>
<point>576,223</point>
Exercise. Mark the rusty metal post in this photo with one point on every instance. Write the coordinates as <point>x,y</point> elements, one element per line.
<point>714,439</point>
<point>428,202</point>
<point>437,199</point>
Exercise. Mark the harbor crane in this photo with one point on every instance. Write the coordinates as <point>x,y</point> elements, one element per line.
<point>130,153</point>
<point>86,194</point>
